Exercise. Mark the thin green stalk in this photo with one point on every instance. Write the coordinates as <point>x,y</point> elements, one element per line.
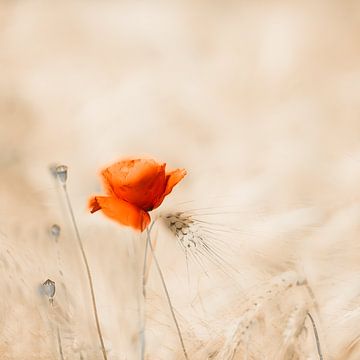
<point>88,273</point>
<point>148,241</point>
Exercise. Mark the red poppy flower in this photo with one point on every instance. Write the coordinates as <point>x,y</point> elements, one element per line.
<point>134,187</point>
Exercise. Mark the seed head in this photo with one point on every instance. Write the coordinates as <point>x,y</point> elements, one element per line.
<point>55,231</point>
<point>61,173</point>
<point>52,169</point>
<point>198,241</point>
<point>184,228</point>
<point>49,289</point>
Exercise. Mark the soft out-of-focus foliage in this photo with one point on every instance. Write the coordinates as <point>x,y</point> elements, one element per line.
<point>259,101</point>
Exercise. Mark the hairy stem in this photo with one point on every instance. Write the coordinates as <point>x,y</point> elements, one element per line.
<point>88,273</point>
<point>148,241</point>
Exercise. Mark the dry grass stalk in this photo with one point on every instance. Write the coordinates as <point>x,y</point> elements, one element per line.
<point>60,321</point>
<point>49,289</point>
<point>351,349</point>
<point>318,346</point>
<point>239,334</point>
<point>149,244</point>
<point>293,329</point>
<point>61,172</point>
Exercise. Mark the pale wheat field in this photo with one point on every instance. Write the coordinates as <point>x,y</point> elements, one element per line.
<point>259,101</point>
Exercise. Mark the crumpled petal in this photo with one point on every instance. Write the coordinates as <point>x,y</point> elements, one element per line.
<point>141,182</point>
<point>172,178</point>
<point>120,211</point>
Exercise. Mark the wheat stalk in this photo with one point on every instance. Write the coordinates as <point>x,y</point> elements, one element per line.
<point>293,329</point>
<point>149,244</point>
<point>237,336</point>
<point>318,347</point>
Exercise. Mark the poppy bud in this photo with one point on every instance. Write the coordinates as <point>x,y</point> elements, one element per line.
<point>61,173</point>
<point>55,231</point>
<point>52,168</point>
<point>49,289</point>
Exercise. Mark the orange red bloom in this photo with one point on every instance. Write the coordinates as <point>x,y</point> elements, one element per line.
<point>133,188</point>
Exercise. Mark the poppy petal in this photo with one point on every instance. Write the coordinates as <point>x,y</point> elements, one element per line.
<point>120,211</point>
<point>172,178</point>
<point>94,205</point>
<point>140,182</point>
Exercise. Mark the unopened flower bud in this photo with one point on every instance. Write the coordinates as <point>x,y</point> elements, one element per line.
<point>52,168</point>
<point>55,231</point>
<point>61,172</point>
<point>49,289</point>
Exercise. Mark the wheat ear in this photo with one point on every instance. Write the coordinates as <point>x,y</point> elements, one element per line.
<point>292,331</point>
<point>278,285</point>
<point>198,242</point>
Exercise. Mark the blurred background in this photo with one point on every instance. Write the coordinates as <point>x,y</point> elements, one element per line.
<point>259,101</point>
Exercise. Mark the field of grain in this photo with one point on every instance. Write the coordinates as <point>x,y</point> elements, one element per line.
<point>259,102</point>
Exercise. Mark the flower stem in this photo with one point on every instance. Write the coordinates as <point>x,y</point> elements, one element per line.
<point>144,278</point>
<point>59,343</point>
<point>88,273</point>
<point>148,241</point>
<point>316,336</point>
<point>143,322</point>
<point>144,281</point>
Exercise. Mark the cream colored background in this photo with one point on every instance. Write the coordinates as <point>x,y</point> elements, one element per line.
<point>259,101</point>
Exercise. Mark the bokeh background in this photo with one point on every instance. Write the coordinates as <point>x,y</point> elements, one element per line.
<point>259,101</point>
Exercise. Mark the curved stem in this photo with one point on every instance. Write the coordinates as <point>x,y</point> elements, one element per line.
<point>148,240</point>
<point>144,273</point>
<point>88,273</point>
<point>316,336</point>
<point>143,323</point>
<point>59,343</point>
<point>144,280</point>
